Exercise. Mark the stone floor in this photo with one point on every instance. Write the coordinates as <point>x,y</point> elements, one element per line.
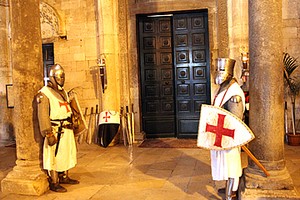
<point>125,173</point>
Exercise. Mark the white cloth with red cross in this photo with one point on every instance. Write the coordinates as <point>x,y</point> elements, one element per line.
<point>224,163</point>
<point>66,157</point>
<point>109,117</point>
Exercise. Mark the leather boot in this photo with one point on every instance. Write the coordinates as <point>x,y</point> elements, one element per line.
<point>54,184</point>
<point>222,190</point>
<point>230,195</point>
<point>65,179</point>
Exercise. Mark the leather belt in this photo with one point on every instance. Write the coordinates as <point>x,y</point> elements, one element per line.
<point>66,126</point>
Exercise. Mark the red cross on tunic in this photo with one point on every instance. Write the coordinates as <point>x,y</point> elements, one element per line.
<point>64,104</point>
<point>106,117</point>
<point>219,130</point>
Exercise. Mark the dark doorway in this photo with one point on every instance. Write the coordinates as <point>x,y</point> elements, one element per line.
<point>175,72</point>
<point>48,59</point>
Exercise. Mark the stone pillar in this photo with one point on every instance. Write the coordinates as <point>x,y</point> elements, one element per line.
<point>266,101</point>
<point>222,32</point>
<point>109,42</point>
<point>26,177</point>
<point>6,128</point>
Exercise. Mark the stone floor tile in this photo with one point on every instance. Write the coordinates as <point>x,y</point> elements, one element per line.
<point>120,172</point>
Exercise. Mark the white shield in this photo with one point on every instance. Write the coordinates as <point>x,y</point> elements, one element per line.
<point>109,117</point>
<point>221,130</point>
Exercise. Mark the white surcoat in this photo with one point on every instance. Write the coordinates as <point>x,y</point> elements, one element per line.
<point>66,155</point>
<point>227,163</point>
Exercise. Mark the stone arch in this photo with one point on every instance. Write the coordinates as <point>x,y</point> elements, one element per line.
<point>52,25</point>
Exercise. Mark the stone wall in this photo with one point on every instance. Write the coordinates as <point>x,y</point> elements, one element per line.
<point>81,45</point>
<point>238,33</point>
<point>76,47</point>
<point>291,27</point>
<point>6,127</point>
<point>291,42</point>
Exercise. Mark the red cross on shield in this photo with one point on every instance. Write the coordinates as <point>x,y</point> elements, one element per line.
<point>106,117</point>
<point>220,130</point>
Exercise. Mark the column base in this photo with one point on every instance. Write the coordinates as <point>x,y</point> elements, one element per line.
<point>26,178</point>
<point>260,194</point>
<point>278,185</point>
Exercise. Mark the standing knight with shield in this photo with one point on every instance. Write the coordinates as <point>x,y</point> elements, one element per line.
<point>226,164</point>
<point>56,125</point>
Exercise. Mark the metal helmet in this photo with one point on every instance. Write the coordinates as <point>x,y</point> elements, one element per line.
<point>57,76</point>
<point>224,71</point>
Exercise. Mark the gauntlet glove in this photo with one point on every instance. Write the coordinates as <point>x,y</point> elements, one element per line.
<point>51,139</point>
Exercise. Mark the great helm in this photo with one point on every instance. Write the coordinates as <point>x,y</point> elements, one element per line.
<point>225,67</point>
<point>57,76</point>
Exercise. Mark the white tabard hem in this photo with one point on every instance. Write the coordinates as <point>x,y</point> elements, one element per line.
<point>226,164</point>
<point>66,155</point>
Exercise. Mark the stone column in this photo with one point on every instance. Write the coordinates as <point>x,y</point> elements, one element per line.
<point>266,101</point>
<point>26,177</point>
<point>6,130</point>
<point>222,32</point>
<point>109,42</point>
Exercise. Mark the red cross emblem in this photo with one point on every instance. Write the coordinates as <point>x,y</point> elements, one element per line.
<point>219,130</point>
<point>64,104</point>
<point>106,117</point>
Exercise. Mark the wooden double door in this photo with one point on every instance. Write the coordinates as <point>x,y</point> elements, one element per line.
<point>174,72</point>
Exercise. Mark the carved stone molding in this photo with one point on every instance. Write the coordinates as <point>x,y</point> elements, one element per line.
<point>51,24</point>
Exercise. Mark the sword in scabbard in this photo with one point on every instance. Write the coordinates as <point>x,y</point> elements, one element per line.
<point>59,132</point>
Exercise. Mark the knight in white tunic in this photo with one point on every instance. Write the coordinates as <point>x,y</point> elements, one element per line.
<point>55,123</point>
<point>226,164</point>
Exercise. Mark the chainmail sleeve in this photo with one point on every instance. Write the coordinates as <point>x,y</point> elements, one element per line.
<point>43,112</point>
